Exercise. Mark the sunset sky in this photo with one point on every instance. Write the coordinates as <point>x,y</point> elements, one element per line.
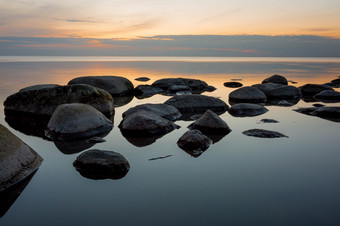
<point>96,22</point>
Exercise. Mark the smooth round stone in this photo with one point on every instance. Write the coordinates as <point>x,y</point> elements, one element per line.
<point>261,133</point>
<point>278,79</point>
<point>194,142</point>
<point>247,94</point>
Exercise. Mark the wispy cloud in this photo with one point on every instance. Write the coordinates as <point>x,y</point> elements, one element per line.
<point>81,21</point>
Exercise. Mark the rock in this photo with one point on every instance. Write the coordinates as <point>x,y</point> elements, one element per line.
<point>100,164</point>
<point>164,110</point>
<point>261,133</point>
<point>17,159</point>
<point>278,91</point>
<point>196,85</point>
<point>115,85</point>
<point>44,101</point>
<point>96,140</point>
<point>194,142</point>
<point>284,103</point>
<point>210,123</point>
<point>293,82</point>
<point>142,79</point>
<point>181,93</point>
<point>327,95</point>
<point>336,81</point>
<point>77,121</point>
<point>145,123</point>
<point>318,105</point>
<point>145,91</point>
<point>210,88</point>
<point>278,79</point>
<point>328,113</point>
<point>142,141</point>
<point>178,88</point>
<point>265,120</point>
<point>38,87</point>
<point>246,110</point>
<point>247,94</point>
<point>312,89</point>
<point>195,104</point>
<point>233,84</point>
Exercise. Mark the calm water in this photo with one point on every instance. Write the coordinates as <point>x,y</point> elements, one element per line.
<point>239,180</point>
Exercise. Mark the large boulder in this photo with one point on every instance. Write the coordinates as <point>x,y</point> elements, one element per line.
<point>312,89</point>
<point>45,100</point>
<point>247,94</point>
<point>196,85</point>
<point>328,113</point>
<point>246,110</point>
<point>210,123</point>
<point>17,159</point>
<point>194,142</point>
<point>146,123</point>
<point>164,110</point>
<point>100,164</point>
<point>115,85</point>
<point>77,121</point>
<point>196,104</point>
<point>261,133</point>
<point>278,91</point>
<point>278,79</point>
<point>328,95</point>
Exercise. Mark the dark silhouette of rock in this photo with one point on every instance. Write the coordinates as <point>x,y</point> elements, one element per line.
<point>195,104</point>
<point>210,123</point>
<point>233,84</point>
<point>38,87</point>
<point>140,140</point>
<point>312,89</point>
<point>336,81</point>
<point>265,120</point>
<point>99,164</point>
<point>194,142</point>
<point>210,88</point>
<point>282,103</point>
<point>44,101</point>
<point>77,121</point>
<point>115,85</point>
<point>246,110</point>
<point>196,85</point>
<point>247,94</point>
<point>261,133</point>
<point>278,79</point>
<point>293,82</point>
<point>278,91</point>
<point>146,91</point>
<point>318,105</point>
<point>142,79</point>
<point>17,159</point>
<point>145,123</point>
<point>178,88</point>
<point>121,101</point>
<point>327,95</point>
<point>164,110</point>
<point>328,113</point>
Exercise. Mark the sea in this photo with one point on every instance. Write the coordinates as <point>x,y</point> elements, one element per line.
<point>238,180</point>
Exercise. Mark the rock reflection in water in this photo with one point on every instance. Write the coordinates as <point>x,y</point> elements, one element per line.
<point>121,101</point>
<point>142,141</point>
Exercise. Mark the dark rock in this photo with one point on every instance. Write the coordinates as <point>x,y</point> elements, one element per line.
<point>265,120</point>
<point>121,101</point>
<point>312,89</point>
<point>284,103</point>
<point>142,79</point>
<point>142,141</point>
<point>210,88</point>
<point>318,105</point>
<point>236,79</point>
<point>336,81</point>
<point>278,91</point>
<point>77,121</point>
<point>293,82</point>
<point>246,110</point>
<point>99,164</point>
<point>146,91</point>
<point>333,85</point>
<point>44,101</point>
<point>328,113</point>
<point>38,87</point>
<point>210,123</point>
<point>195,104</point>
<point>195,84</point>
<point>261,133</point>
<point>115,85</point>
<point>194,142</point>
<point>96,140</point>
<point>145,123</point>
<point>164,110</point>
<point>17,159</point>
<point>328,95</point>
<point>233,84</point>
<point>247,94</point>
<point>178,88</point>
<point>278,79</point>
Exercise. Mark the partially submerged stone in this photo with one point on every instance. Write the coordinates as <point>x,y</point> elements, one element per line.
<point>312,89</point>
<point>247,110</point>
<point>233,84</point>
<point>17,159</point>
<point>278,79</point>
<point>164,110</point>
<point>328,95</point>
<point>101,164</point>
<point>194,142</point>
<point>195,84</point>
<point>328,113</point>
<point>261,133</point>
<point>279,91</point>
<point>146,91</point>
<point>77,121</point>
<point>247,94</point>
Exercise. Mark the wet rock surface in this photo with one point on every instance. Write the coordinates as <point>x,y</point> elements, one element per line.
<point>233,84</point>
<point>142,79</point>
<point>196,85</point>
<point>265,120</point>
<point>247,110</point>
<point>194,142</point>
<point>261,133</point>
<point>278,79</point>
<point>328,113</point>
<point>312,89</point>
<point>101,164</point>
<point>247,94</point>
<point>164,110</point>
<point>328,95</point>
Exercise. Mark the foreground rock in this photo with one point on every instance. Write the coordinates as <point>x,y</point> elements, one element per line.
<point>278,91</point>
<point>328,113</point>
<point>38,87</point>
<point>195,104</point>
<point>278,79</point>
<point>246,110</point>
<point>233,84</point>
<point>196,85</point>
<point>115,85</point>
<point>45,100</point>
<point>100,164</point>
<point>312,89</point>
<point>145,123</point>
<point>77,121</point>
<point>327,95</point>
<point>247,94</point>
<point>164,110</point>
<point>210,123</point>
<point>194,142</point>
<point>261,133</point>
<point>17,159</point>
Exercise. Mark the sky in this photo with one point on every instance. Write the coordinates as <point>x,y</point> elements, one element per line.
<point>117,24</point>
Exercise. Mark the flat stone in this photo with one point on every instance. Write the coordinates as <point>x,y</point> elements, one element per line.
<point>164,110</point>
<point>328,113</point>
<point>278,79</point>
<point>265,120</point>
<point>261,133</point>
<point>327,95</point>
<point>142,79</point>
<point>233,84</point>
<point>246,110</point>
<point>247,94</point>
<point>194,142</point>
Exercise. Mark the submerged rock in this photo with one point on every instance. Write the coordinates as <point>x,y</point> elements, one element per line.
<point>233,84</point>
<point>142,79</point>
<point>328,113</point>
<point>115,85</point>
<point>100,164</point>
<point>247,94</point>
<point>261,133</point>
<point>194,142</point>
<point>164,110</point>
<point>17,159</point>
<point>196,85</point>
<point>246,110</point>
<point>77,121</point>
<point>312,89</point>
<point>278,79</point>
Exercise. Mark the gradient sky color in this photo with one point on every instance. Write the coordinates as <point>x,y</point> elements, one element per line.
<point>134,18</point>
